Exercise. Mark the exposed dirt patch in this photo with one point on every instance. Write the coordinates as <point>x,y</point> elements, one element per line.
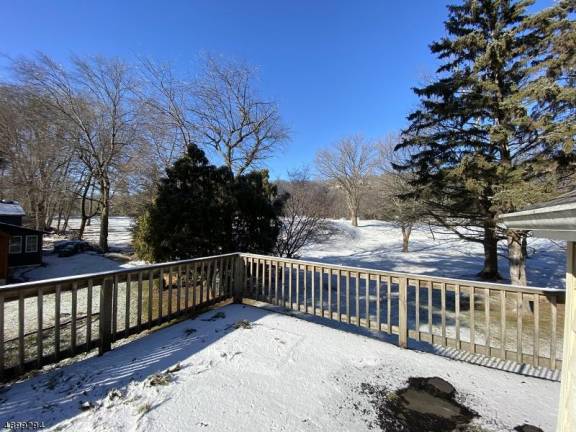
<point>160,379</point>
<point>527,428</point>
<point>426,404</point>
<point>242,324</point>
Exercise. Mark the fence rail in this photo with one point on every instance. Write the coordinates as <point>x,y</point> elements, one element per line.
<point>43,322</point>
<point>515,323</point>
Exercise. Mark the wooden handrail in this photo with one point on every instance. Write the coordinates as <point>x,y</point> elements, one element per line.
<point>37,336</point>
<point>415,276</point>
<point>5,289</point>
<point>517,323</point>
<point>456,313</point>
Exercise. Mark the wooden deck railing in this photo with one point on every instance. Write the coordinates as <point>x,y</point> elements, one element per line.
<point>43,322</point>
<point>515,323</point>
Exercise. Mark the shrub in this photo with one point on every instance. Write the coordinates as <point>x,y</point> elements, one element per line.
<point>201,210</point>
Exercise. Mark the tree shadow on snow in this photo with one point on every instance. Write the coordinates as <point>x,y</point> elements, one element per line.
<point>452,267</point>
<point>58,395</point>
<point>443,257</point>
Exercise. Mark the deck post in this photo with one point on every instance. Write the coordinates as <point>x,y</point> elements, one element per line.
<point>239,280</point>
<point>106,316</point>
<point>566,421</point>
<point>403,313</point>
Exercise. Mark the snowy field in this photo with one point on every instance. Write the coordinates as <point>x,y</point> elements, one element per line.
<point>378,245</point>
<point>276,373</point>
<point>119,239</point>
<point>374,244</point>
<point>119,232</point>
<point>87,262</point>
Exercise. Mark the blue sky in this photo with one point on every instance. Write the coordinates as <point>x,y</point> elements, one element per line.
<point>335,67</point>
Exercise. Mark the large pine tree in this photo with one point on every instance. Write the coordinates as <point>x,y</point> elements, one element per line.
<point>551,88</point>
<point>477,149</point>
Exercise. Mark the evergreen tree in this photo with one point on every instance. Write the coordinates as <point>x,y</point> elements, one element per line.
<point>551,89</point>
<point>544,166</point>
<point>203,210</point>
<point>478,150</point>
<point>256,224</point>
<point>191,214</point>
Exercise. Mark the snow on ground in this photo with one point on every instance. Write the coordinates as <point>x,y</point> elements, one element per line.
<point>374,244</point>
<point>378,245</point>
<point>283,373</point>
<point>86,262</point>
<point>119,231</point>
<point>120,240</point>
<point>56,267</point>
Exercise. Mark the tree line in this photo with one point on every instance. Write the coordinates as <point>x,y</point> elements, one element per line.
<point>75,138</point>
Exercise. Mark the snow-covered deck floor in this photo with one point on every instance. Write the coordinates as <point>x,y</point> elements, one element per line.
<point>283,373</point>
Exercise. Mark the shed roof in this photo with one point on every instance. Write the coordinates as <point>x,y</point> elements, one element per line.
<point>553,219</point>
<point>16,229</point>
<point>11,208</point>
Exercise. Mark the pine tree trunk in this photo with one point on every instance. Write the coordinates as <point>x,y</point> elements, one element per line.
<point>517,249</point>
<point>490,270</point>
<point>406,231</point>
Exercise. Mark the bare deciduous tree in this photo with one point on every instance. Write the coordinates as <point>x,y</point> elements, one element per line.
<point>89,207</point>
<point>348,164</point>
<point>218,110</point>
<point>95,96</point>
<point>167,107</point>
<point>394,191</point>
<point>38,157</point>
<point>93,133</point>
<point>232,119</point>
<point>302,220</point>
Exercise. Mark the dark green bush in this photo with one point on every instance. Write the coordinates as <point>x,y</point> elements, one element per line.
<point>201,210</point>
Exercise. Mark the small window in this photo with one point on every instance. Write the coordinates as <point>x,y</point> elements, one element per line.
<point>15,245</point>
<point>31,244</point>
